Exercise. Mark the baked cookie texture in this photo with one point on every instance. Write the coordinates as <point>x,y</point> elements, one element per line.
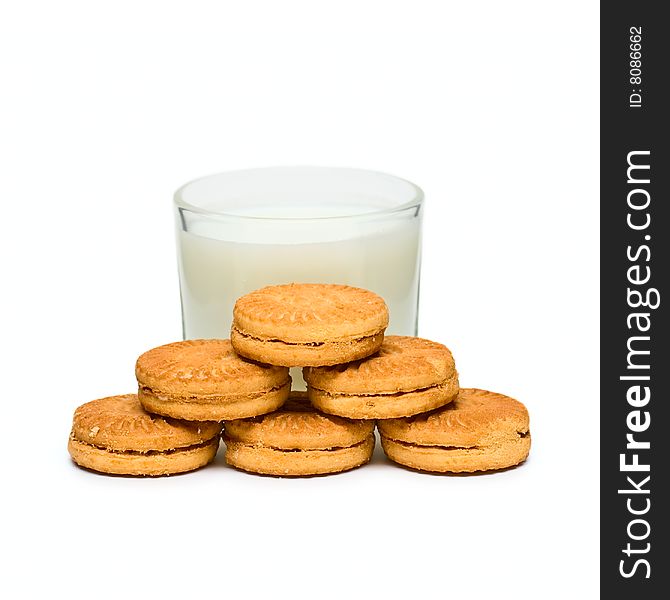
<point>478,431</point>
<point>308,324</point>
<point>407,376</point>
<point>205,380</point>
<point>297,440</point>
<point>115,435</point>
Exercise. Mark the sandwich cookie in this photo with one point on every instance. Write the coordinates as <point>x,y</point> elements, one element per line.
<point>407,376</point>
<point>479,431</point>
<point>298,440</point>
<point>308,324</point>
<point>205,380</point>
<point>115,435</point>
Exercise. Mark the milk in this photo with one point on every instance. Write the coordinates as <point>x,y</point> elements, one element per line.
<point>244,230</point>
<point>222,259</point>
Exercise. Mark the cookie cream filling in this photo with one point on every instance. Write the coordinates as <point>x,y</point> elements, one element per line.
<point>277,449</point>
<point>436,446</point>
<point>194,398</point>
<point>309,344</point>
<point>437,386</point>
<point>148,452</point>
<point>521,435</point>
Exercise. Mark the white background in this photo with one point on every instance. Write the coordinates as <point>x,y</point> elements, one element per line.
<point>491,107</point>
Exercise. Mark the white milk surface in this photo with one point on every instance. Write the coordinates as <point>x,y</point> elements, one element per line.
<point>219,261</point>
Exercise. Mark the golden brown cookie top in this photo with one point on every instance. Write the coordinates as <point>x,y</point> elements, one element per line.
<point>474,418</point>
<point>120,423</point>
<point>298,425</point>
<point>310,312</point>
<point>402,364</point>
<point>204,368</point>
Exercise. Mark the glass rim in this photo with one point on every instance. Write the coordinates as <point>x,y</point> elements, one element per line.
<point>415,201</point>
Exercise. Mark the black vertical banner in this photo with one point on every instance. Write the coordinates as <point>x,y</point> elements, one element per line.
<point>635,339</point>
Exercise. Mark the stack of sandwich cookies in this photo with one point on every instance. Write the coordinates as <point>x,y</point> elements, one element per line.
<point>479,431</point>
<point>407,376</point>
<point>115,435</point>
<point>355,376</point>
<point>297,440</point>
<point>305,324</point>
<point>205,380</point>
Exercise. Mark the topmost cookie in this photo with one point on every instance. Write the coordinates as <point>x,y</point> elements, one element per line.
<point>308,324</point>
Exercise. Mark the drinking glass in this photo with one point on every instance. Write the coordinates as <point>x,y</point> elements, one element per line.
<point>243,230</point>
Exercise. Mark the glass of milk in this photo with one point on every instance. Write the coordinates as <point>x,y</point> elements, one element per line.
<point>243,230</point>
